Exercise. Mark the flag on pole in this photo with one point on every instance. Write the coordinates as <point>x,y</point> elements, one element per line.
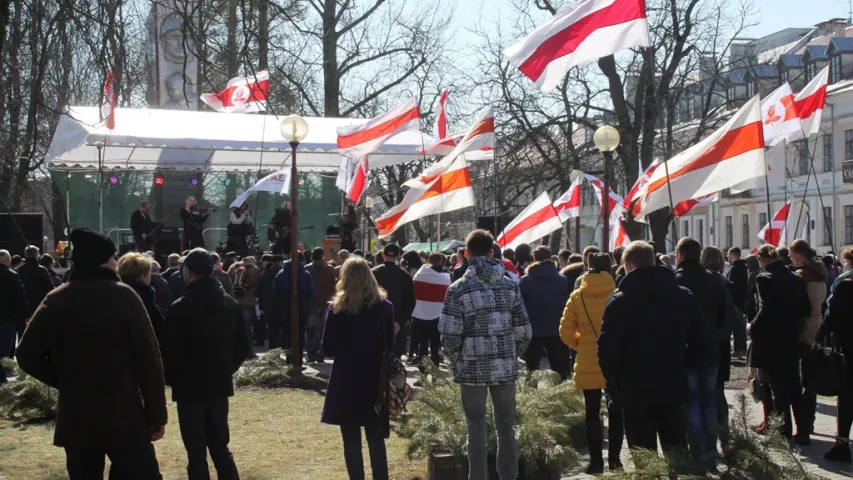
<point>598,186</point>
<point>774,232</point>
<point>439,130</point>
<point>809,104</point>
<point>569,205</point>
<point>108,108</point>
<point>278,182</point>
<point>632,200</point>
<point>683,208</point>
<point>779,115</point>
<point>443,187</point>
<point>534,222</point>
<point>446,145</point>
<point>360,140</point>
<point>360,181</point>
<point>618,235</point>
<point>585,30</point>
<point>241,94</point>
<point>345,173</point>
<point>728,156</point>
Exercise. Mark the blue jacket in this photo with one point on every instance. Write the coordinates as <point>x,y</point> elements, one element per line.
<point>545,292</point>
<point>177,286</point>
<point>281,287</point>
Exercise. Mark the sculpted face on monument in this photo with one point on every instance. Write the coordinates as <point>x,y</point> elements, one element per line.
<point>172,39</point>
<point>181,94</point>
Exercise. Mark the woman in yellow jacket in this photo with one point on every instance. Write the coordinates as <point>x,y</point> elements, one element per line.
<point>579,329</point>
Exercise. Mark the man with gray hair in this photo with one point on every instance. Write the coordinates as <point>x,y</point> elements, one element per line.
<point>13,307</point>
<point>174,266</point>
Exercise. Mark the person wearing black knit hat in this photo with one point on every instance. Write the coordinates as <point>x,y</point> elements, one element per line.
<point>100,325</point>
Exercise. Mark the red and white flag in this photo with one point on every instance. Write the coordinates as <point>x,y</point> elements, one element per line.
<point>618,235</point>
<point>774,232</point>
<point>446,145</point>
<point>439,130</point>
<point>632,200</point>
<point>809,104</point>
<point>683,208</point>
<point>108,108</point>
<point>360,181</point>
<point>569,205</point>
<point>585,30</point>
<point>443,187</point>
<point>728,156</point>
<point>360,140</point>
<point>615,200</point>
<point>430,290</point>
<point>779,115</point>
<point>534,222</point>
<point>241,94</point>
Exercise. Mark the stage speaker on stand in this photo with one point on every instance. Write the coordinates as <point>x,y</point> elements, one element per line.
<point>10,237</point>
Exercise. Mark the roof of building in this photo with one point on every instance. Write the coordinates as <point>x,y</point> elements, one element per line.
<point>841,44</point>
<point>791,60</point>
<point>764,71</point>
<point>817,52</point>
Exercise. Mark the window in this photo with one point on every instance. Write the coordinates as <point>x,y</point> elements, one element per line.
<point>745,233</point>
<point>835,69</point>
<point>803,156</point>
<point>588,195</point>
<point>700,231</point>
<point>848,224</point>
<point>691,113</point>
<point>686,232</point>
<point>827,225</point>
<point>811,71</point>
<point>730,236</point>
<point>750,89</point>
<point>848,145</point>
<point>828,154</point>
<point>786,75</point>
<point>762,220</point>
<point>731,93</point>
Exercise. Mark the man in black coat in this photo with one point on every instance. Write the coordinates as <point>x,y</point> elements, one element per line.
<point>205,345</point>
<point>710,291</point>
<point>271,306</point>
<point>401,292</point>
<point>92,340</point>
<point>36,280</point>
<point>738,277</point>
<point>652,330</point>
<point>13,307</point>
<point>783,302</point>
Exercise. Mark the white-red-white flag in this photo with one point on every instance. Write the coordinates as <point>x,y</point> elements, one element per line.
<point>779,115</point>
<point>345,173</point>
<point>361,140</point>
<point>598,186</point>
<point>360,181</point>
<point>443,187</point>
<point>774,232</point>
<point>108,108</point>
<point>728,156</point>
<point>241,94</point>
<point>809,104</point>
<point>534,222</point>
<point>446,145</point>
<point>439,130</point>
<point>618,235</point>
<point>632,200</point>
<point>683,208</point>
<point>585,30</point>
<point>569,204</point>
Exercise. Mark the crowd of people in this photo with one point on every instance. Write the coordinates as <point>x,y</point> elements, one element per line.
<point>603,320</point>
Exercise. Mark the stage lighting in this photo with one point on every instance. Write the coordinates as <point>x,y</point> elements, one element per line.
<point>159,180</point>
<point>113,180</point>
<point>227,182</point>
<point>194,181</point>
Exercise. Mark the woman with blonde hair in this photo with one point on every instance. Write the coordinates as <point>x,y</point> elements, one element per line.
<point>359,330</point>
<point>134,269</point>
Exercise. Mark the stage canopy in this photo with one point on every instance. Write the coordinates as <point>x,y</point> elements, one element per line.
<point>174,140</point>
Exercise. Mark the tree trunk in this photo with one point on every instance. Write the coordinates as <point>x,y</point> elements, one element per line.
<point>231,60</point>
<point>331,79</point>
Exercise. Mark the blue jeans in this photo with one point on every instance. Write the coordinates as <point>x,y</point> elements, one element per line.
<point>702,412</point>
<point>7,341</point>
<point>474,405</point>
<point>739,332</point>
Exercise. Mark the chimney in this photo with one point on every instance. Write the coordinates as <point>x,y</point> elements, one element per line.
<point>833,26</point>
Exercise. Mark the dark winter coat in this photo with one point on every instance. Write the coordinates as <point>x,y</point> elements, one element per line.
<point>752,296</point>
<point>92,340</point>
<point>459,271</point>
<point>739,277</point>
<point>357,343</point>
<point>400,288</point>
<point>782,305</point>
<point>281,287</point>
<point>149,300</point>
<point>267,301</point>
<point>13,298</point>
<point>572,273</point>
<point>545,293</point>
<point>177,287</point>
<point>205,343</point>
<point>710,291</point>
<point>224,280</point>
<point>325,279</point>
<point>167,274</point>
<point>37,282</point>
<point>839,318</point>
<point>161,292</point>
<point>652,330</point>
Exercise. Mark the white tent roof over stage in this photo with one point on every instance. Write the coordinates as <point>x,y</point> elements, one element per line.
<point>155,139</point>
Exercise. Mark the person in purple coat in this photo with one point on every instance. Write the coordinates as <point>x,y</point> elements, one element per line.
<point>359,329</point>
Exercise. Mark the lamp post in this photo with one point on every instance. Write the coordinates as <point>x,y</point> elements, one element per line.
<point>606,138</point>
<point>369,202</point>
<point>294,129</point>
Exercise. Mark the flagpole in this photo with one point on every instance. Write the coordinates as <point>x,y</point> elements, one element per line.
<point>101,188</point>
<point>767,186</point>
<point>806,189</point>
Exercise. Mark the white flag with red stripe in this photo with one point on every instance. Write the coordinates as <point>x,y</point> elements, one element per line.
<point>774,232</point>
<point>345,173</point>
<point>569,205</point>
<point>632,200</point>
<point>439,130</point>
<point>618,236</point>
<point>360,181</point>
<point>585,30</point>
<point>779,115</point>
<point>443,187</point>
<point>598,186</point>
<point>108,108</point>
<point>430,290</point>
<point>360,140</point>
<point>534,222</point>
<point>728,156</point>
<point>241,94</point>
<point>683,208</point>
<point>446,145</point>
<point>809,104</point>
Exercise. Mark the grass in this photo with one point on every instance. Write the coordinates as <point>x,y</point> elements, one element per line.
<point>275,434</point>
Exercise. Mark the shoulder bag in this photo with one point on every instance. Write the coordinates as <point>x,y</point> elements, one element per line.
<point>824,371</point>
<point>393,391</point>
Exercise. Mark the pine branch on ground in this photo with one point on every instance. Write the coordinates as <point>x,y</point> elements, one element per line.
<point>271,371</point>
<point>26,399</point>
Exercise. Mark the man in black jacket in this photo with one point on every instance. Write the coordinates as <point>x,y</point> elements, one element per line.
<point>205,345</point>
<point>738,276</point>
<point>270,305</point>
<point>401,292</point>
<point>652,330</point>
<point>783,302</point>
<point>13,307</point>
<point>710,291</point>
<point>98,325</point>
<point>141,225</point>
<point>36,280</point>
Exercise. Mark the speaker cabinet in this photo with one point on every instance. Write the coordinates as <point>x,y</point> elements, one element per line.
<point>31,226</point>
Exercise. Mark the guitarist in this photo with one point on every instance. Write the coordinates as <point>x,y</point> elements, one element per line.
<point>141,225</point>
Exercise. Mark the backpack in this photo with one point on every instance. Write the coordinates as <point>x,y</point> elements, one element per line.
<point>240,279</point>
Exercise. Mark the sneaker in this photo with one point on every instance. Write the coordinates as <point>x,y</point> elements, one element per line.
<point>595,468</point>
<point>839,453</point>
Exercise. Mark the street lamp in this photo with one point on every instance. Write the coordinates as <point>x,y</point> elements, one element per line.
<point>369,202</point>
<point>294,129</point>
<point>606,138</point>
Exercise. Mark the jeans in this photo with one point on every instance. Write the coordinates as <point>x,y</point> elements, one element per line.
<point>474,405</point>
<point>739,332</point>
<point>314,336</point>
<point>249,318</point>
<point>557,351</point>
<point>787,390</point>
<point>204,427</point>
<point>132,462</point>
<point>7,342</point>
<point>594,434</point>
<point>702,412</point>
<point>644,424</point>
<point>375,445</point>
<point>425,333</point>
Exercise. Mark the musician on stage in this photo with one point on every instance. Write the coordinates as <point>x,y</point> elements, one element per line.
<point>141,225</point>
<point>279,230</point>
<point>239,227</point>
<point>349,223</point>
<point>194,218</point>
